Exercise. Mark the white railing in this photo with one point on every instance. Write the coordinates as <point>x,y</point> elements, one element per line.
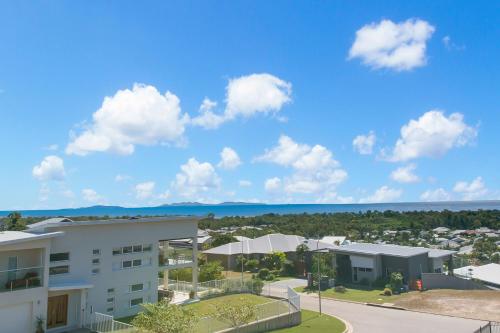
<point>212,287</point>
<point>103,323</point>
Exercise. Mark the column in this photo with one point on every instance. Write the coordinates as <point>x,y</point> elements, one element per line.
<point>83,301</point>
<point>195,266</point>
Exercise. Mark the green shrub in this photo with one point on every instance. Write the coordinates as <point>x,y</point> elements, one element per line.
<point>263,274</point>
<point>210,271</point>
<point>288,268</point>
<point>271,277</point>
<point>252,265</point>
<point>396,281</point>
<point>387,292</point>
<point>255,285</point>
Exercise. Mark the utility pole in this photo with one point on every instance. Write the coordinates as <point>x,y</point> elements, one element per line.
<point>319,275</point>
<point>241,242</point>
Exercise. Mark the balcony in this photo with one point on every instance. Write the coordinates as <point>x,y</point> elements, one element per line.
<point>175,254</point>
<point>21,278</point>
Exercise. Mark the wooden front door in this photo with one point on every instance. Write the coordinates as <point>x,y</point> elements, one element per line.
<point>57,311</point>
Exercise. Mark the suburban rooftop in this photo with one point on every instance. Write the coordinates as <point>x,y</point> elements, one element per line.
<point>390,250</point>
<point>67,222</point>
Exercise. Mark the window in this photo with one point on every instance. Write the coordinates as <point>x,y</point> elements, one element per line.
<point>135,301</point>
<point>147,248</point>
<point>96,271</point>
<point>96,252</point>
<point>369,269</point>
<point>111,290</point>
<point>56,270</point>
<point>362,269</point>
<point>136,287</point>
<point>96,261</point>
<point>137,262</point>
<point>127,249</point>
<point>110,299</point>
<point>127,264</point>
<point>137,248</point>
<point>111,309</point>
<point>117,250</point>
<point>62,256</point>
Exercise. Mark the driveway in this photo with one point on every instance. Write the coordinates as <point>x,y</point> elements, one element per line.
<point>369,319</point>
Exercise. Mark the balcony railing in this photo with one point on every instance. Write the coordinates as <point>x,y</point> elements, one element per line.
<point>22,278</point>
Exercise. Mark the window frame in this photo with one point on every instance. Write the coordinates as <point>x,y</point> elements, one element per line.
<point>96,261</point>
<point>96,271</point>
<point>135,299</point>
<point>56,267</point>
<point>131,287</point>
<point>94,253</point>
<point>60,260</point>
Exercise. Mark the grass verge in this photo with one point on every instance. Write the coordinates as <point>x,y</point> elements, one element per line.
<point>357,295</point>
<point>312,322</point>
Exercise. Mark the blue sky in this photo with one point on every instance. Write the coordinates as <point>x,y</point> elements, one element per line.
<point>313,101</point>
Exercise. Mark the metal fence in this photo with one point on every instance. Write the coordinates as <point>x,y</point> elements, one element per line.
<point>103,323</point>
<point>491,327</point>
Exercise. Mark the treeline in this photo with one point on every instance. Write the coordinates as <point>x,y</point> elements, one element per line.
<point>356,225</point>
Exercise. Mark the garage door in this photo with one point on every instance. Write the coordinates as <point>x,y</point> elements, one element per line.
<point>16,318</point>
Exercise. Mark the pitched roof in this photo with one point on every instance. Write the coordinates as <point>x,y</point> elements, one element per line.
<point>267,244</point>
<point>12,237</point>
<point>384,249</point>
<point>487,273</point>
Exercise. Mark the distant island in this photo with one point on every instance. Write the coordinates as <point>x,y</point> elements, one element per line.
<point>227,203</point>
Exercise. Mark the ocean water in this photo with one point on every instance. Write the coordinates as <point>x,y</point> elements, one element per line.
<point>259,209</point>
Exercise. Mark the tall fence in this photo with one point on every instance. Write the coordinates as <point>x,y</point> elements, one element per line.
<point>491,327</point>
<point>103,323</point>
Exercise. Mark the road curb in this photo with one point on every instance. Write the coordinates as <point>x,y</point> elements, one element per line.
<point>386,306</point>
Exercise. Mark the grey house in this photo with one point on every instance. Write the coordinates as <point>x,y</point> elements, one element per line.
<point>364,262</point>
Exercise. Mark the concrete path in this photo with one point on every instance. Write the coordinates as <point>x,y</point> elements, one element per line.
<point>369,319</point>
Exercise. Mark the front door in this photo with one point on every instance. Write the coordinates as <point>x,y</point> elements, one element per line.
<point>57,311</point>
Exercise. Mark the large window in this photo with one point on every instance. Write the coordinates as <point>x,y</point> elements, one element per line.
<point>135,302</point>
<point>61,256</point>
<point>136,287</point>
<point>138,248</point>
<point>56,270</point>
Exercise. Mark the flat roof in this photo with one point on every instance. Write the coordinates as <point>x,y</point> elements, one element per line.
<point>383,249</point>
<point>13,237</point>
<point>66,222</point>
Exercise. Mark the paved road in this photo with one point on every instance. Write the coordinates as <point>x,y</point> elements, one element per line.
<point>368,319</point>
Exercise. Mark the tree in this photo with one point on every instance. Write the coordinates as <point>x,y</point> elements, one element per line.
<point>221,239</point>
<point>211,271</point>
<point>164,317</point>
<point>274,261</point>
<point>14,222</point>
<point>325,260</point>
<point>237,314</point>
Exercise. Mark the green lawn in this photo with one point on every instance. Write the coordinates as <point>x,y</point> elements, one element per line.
<point>314,323</point>
<point>357,295</point>
<point>208,306</point>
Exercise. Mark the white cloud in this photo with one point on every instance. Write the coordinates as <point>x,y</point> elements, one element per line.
<point>229,159</point>
<point>196,178</point>
<point>405,174</point>
<point>315,171</point>
<point>383,194</point>
<point>432,135</point>
<point>246,96</point>
<point>244,183</point>
<point>141,116</point>
<point>144,190</point>
<point>91,195</point>
<point>471,191</point>
<point>439,194</point>
<point>207,118</point>
<point>272,184</point>
<point>51,168</point>
<point>122,178</point>
<point>450,45</point>
<point>256,93</point>
<point>399,46</point>
<point>363,144</point>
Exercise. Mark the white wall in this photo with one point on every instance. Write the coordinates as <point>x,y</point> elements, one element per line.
<point>81,240</point>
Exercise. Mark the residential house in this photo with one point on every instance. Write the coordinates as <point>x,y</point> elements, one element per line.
<point>489,274</point>
<point>359,262</point>
<point>63,271</point>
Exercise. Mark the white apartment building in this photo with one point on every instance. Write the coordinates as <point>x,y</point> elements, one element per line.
<point>62,271</point>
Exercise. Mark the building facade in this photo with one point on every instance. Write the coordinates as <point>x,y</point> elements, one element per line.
<point>63,271</point>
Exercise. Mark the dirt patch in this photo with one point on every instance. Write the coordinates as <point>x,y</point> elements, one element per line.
<point>477,304</point>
